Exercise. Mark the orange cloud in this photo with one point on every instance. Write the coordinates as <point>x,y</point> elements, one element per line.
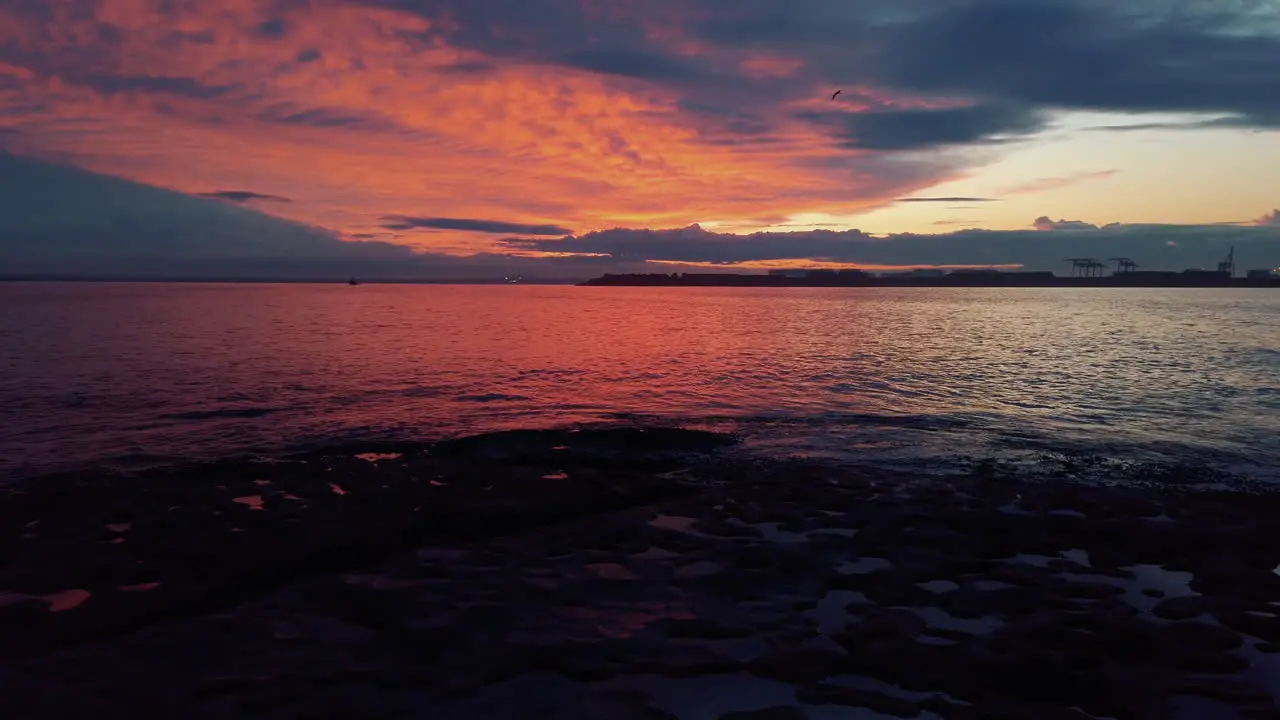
<point>358,113</point>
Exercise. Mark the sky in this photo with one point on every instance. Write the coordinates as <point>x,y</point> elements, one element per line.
<point>578,136</point>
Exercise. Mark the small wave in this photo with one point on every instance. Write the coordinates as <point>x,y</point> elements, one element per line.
<point>221,413</point>
<point>552,372</point>
<point>493,397</point>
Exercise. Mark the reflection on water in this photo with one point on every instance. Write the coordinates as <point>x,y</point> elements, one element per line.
<point>155,372</point>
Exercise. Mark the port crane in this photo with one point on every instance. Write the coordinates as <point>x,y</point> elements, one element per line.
<point>1124,265</point>
<point>1228,266</point>
<point>1086,267</point>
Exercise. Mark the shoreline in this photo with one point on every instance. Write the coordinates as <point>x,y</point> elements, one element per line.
<point>1160,280</point>
<point>612,565</point>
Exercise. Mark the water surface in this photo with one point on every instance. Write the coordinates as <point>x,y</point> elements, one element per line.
<point>143,373</point>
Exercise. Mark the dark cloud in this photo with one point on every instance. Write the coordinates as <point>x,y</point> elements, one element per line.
<point>1153,55</point>
<point>158,84</point>
<point>403,222</point>
<point>273,28</point>
<point>1045,223</point>
<point>1194,246</point>
<point>945,199</point>
<point>643,65</point>
<point>1085,55</point>
<point>1271,219</point>
<point>323,117</point>
<point>925,128</point>
<point>242,196</point>
<point>56,217</point>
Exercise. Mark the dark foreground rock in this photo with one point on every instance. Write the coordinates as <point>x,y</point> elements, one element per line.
<point>128,550</point>
<point>550,575</point>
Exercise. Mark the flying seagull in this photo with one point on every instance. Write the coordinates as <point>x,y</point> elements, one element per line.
<point>834,94</point>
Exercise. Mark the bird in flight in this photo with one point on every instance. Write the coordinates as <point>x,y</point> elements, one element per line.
<point>834,94</point>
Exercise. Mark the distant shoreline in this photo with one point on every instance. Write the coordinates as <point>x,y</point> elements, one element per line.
<point>970,280</point>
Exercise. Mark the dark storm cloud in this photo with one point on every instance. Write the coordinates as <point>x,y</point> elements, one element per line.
<point>1168,246</point>
<point>273,28</point>
<point>643,65</point>
<point>403,222</point>
<point>925,128</point>
<point>242,196</point>
<point>157,84</point>
<point>1011,57</point>
<point>55,217</point>
<point>1087,55</point>
<point>325,117</point>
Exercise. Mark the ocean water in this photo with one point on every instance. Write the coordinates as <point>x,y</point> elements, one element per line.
<point>136,374</point>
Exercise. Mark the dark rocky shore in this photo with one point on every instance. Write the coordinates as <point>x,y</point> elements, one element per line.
<point>631,573</point>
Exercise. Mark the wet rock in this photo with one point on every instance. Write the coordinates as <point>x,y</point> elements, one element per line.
<point>781,712</point>
<point>685,662</point>
<point>706,629</point>
<point>1181,608</point>
<point>1210,638</point>
<point>1225,690</point>
<point>216,686</point>
<point>802,665</point>
<point>829,694</point>
<point>1212,663</point>
<point>1262,627</point>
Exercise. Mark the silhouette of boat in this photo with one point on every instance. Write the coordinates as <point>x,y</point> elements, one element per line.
<point>353,281</point>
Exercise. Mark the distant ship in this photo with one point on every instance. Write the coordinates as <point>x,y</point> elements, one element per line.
<point>353,281</point>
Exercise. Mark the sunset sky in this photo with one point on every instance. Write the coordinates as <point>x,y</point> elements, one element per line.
<point>1008,132</point>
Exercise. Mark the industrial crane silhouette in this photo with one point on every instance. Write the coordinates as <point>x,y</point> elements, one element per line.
<point>1228,266</point>
<point>1124,265</point>
<point>1086,267</point>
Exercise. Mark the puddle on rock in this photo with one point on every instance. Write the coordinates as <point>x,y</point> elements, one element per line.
<point>943,620</point>
<point>830,614</point>
<point>1079,557</point>
<point>859,682</point>
<point>991,585</point>
<point>863,566</point>
<point>337,489</point>
<point>702,568</point>
<point>612,571</point>
<point>254,502</point>
<point>119,527</point>
<point>938,587</point>
<point>374,457</point>
<point>773,532</point>
<point>676,523</point>
<point>708,697</point>
<point>1171,584</point>
<point>57,602</point>
<point>1030,559</point>
<point>556,476</point>
<point>656,553</point>
<point>141,587</point>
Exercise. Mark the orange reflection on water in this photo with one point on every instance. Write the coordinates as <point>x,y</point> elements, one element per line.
<point>212,370</point>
